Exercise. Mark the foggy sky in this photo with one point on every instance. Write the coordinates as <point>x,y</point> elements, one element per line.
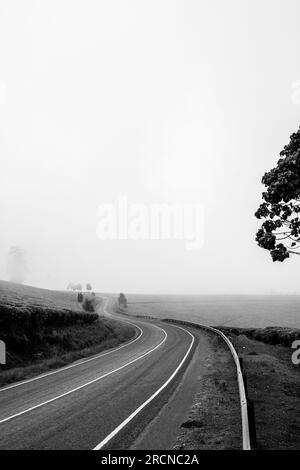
<point>161,102</point>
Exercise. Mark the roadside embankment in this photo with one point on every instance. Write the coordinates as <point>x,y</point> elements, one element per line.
<point>40,335</point>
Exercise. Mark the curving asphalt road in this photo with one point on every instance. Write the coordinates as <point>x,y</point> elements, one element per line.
<point>104,402</point>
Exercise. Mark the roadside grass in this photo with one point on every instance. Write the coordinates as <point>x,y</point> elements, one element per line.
<point>273,386</point>
<point>41,335</point>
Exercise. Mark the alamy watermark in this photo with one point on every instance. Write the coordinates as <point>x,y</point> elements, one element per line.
<point>3,97</point>
<point>296,92</point>
<point>296,354</point>
<point>139,221</point>
<point>2,352</point>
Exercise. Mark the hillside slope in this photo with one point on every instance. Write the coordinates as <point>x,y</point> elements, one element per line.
<point>45,329</point>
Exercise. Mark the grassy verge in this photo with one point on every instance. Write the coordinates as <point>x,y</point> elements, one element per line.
<point>273,383</point>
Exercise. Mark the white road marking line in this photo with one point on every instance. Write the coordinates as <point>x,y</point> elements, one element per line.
<point>88,383</point>
<point>127,420</point>
<point>57,371</point>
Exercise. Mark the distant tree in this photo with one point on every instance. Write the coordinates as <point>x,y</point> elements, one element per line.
<point>88,286</point>
<point>122,300</point>
<point>17,265</point>
<point>80,297</point>
<point>74,286</point>
<point>280,232</point>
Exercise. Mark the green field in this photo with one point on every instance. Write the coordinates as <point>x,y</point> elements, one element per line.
<point>246,311</point>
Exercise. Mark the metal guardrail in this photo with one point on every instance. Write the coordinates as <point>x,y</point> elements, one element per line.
<point>240,379</point>
<point>242,392</point>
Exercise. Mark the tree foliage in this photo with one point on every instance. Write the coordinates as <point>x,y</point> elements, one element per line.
<point>72,286</point>
<point>280,231</point>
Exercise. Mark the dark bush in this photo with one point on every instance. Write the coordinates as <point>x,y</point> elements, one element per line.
<point>88,305</point>
<point>80,297</point>
<point>34,318</point>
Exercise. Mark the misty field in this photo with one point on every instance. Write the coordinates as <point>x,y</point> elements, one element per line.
<point>246,311</point>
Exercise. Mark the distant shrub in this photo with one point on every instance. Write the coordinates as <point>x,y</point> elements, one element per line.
<point>80,297</point>
<point>122,300</point>
<point>88,305</point>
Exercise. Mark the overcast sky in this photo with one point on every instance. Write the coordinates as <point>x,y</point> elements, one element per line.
<point>185,101</point>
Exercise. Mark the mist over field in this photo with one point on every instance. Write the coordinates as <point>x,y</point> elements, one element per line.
<point>157,102</point>
<point>246,311</point>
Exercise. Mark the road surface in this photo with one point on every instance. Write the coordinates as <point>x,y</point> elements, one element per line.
<point>105,402</point>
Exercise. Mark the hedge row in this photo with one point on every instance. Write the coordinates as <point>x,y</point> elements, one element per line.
<point>39,317</point>
<point>270,335</point>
